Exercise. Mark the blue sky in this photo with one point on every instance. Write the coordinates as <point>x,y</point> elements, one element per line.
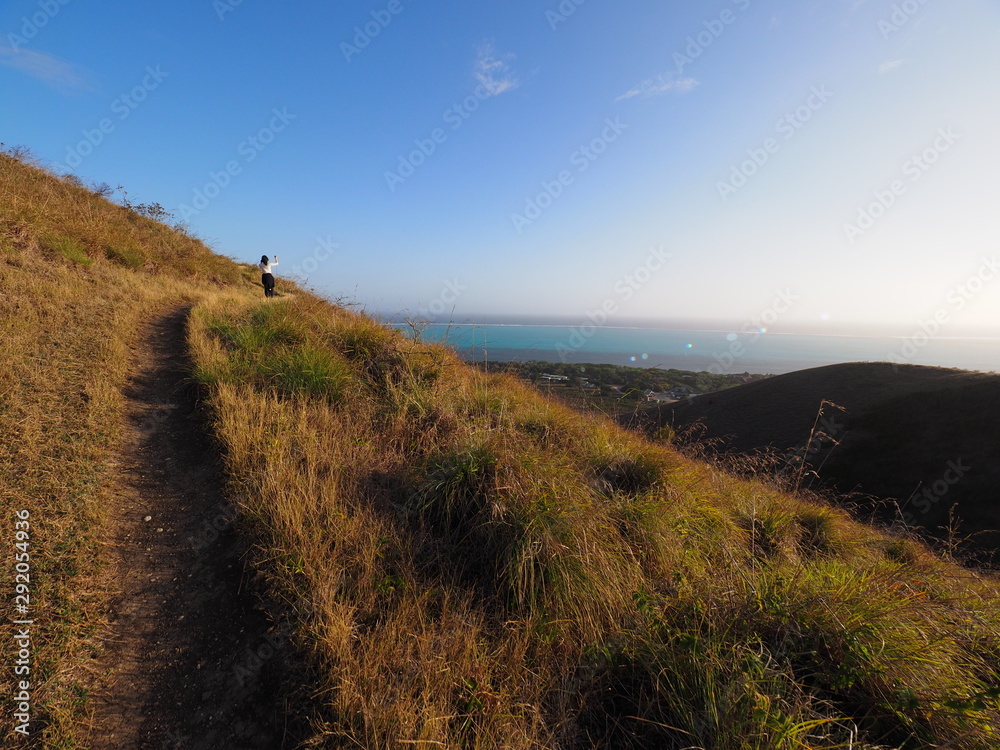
<point>841,154</point>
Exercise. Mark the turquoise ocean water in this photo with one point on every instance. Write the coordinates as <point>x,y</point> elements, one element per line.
<point>706,350</point>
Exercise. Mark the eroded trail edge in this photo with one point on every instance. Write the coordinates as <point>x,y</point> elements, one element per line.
<point>190,660</point>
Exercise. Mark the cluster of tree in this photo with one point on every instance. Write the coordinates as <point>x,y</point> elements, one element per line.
<point>628,381</point>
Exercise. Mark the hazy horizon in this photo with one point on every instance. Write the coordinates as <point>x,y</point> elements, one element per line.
<point>691,324</point>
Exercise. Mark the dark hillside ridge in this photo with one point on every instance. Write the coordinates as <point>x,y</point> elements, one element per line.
<point>928,437</point>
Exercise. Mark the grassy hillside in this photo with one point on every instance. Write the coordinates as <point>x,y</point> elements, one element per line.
<point>466,563</point>
<point>478,566</point>
<point>79,277</point>
<point>924,436</point>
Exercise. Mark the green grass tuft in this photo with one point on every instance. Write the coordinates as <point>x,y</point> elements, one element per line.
<point>68,247</point>
<point>305,370</point>
<point>125,255</point>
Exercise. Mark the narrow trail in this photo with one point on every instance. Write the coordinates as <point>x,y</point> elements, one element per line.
<point>190,661</point>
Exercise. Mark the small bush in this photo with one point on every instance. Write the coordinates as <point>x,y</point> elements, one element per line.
<point>101,189</point>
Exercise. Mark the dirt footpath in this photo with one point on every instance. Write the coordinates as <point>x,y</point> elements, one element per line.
<point>190,661</point>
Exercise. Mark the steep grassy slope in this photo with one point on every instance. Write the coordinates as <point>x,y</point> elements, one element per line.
<point>899,435</point>
<point>479,567</point>
<point>466,563</point>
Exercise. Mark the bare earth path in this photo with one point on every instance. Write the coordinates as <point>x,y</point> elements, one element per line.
<point>190,660</point>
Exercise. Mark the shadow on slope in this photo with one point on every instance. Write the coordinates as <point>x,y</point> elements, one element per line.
<point>924,436</point>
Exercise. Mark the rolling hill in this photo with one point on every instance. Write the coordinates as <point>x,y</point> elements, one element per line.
<point>926,437</point>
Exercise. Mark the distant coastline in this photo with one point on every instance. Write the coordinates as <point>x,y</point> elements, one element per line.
<point>724,331</point>
<point>718,350</point>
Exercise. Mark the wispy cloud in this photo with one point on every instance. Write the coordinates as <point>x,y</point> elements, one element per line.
<point>47,68</point>
<point>492,70</point>
<point>665,83</point>
<point>889,66</point>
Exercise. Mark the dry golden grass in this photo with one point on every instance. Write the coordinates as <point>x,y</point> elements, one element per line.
<point>477,566</point>
<point>70,316</point>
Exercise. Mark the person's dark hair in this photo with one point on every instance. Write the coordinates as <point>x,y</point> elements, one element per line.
<point>263,259</point>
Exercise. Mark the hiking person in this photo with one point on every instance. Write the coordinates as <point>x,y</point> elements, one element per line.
<point>267,278</point>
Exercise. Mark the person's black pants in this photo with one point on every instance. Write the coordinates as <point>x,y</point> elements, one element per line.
<point>268,281</point>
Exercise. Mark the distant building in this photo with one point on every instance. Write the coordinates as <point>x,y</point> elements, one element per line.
<point>548,378</point>
<point>681,392</point>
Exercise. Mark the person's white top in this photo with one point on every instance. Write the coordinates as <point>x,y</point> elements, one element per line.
<point>266,267</point>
